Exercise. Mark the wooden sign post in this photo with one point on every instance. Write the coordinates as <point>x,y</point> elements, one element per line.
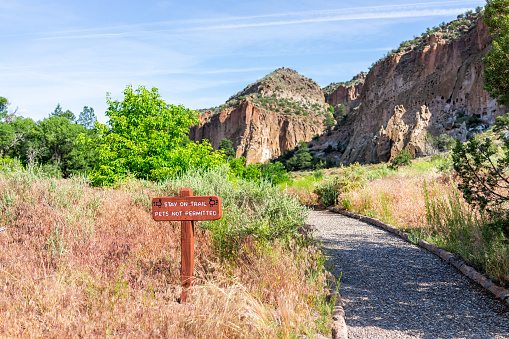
<point>186,208</point>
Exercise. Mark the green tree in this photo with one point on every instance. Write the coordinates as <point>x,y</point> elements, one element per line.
<point>227,147</point>
<point>496,73</point>
<point>58,112</point>
<point>87,117</point>
<point>4,103</point>
<point>143,138</point>
<point>55,142</point>
<point>275,172</point>
<point>329,121</point>
<point>302,159</point>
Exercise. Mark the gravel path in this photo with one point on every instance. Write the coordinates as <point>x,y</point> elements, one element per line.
<point>393,289</point>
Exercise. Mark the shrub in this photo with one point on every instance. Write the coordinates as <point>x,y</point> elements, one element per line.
<point>254,209</point>
<point>404,158</point>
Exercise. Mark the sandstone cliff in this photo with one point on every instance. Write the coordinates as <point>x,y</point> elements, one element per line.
<point>267,118</point>
<point>442,74</point>
<point>346,93</point>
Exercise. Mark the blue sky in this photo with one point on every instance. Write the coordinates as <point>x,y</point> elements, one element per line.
<point>197,53</point>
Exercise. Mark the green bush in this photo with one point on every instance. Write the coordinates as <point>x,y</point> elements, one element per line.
<point>330,189</point>
<point>251,209</point>
<point>404,158</point>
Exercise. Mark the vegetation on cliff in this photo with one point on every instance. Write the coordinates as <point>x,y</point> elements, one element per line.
<point>283,91</point>
<point>445,31</point>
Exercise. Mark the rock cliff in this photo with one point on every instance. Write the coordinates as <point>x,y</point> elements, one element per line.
<point>346,93</point>
<point>432,84</point>
<point>267,118</point>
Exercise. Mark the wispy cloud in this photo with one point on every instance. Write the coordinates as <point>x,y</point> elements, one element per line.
<point>279,19</point>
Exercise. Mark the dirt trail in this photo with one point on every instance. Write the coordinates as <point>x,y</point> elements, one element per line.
<point>394,289</point>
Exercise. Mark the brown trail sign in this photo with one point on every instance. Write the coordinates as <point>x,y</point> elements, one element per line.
<point>186,208</point>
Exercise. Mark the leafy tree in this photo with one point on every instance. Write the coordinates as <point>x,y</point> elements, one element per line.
<point>275,172</point>
<point>58,112</point>
<point>143,138</point>
<point>227,147</point>
<point>237,166</point>
<point>252,172</point>
<point>496,73</point>
<point>87,117</point>
<point>55,141</point>
<point>4,103</point>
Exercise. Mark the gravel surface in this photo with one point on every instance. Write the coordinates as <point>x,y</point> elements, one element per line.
<point>394,289</point>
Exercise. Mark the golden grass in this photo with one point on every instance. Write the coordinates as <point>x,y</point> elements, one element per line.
<point>76,261</point>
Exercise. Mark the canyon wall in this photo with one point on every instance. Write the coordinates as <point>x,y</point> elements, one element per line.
<point>257,134</point>
<point>442,76</point>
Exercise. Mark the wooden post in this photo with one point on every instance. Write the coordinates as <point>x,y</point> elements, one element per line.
<point>187,251</point>
<point>186,208</point>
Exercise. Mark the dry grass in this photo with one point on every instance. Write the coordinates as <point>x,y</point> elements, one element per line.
<point>78,261</point>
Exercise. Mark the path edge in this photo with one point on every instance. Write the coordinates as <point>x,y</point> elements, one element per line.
<point>498,291</point>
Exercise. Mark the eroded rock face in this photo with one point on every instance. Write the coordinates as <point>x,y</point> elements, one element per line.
<point>347,94</point>
<point>256,133</point>
<point>444,76</point>
<point>403,131</point>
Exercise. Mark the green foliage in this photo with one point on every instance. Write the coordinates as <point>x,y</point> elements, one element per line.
<point>441,143</point>
<point>482,166</point>
<point>328,191</point>
<point>4,103</point>
<point>482,171</point>
<point>329,121</point>
<point>87,118</point>
<point>404,158</point>
<point>496,71</point>
<point>226,146</point>
<point>301,159</point>
<point>274,172</point>
<point>58,112</point>
<point>251,209</point>
<point>331,188</point>
<point>238,168</point>
<point>143,139</point>
<point>54,142</point>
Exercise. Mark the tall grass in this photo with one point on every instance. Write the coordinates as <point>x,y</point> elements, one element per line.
<point>457,227</point>
<point>77,261</point>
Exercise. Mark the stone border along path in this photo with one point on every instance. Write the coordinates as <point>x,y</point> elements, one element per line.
<point>392,288</point>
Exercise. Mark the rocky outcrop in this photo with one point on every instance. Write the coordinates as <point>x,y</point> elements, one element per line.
<point>347,94</point>
<point>267,118</point>
<point>445,75</point>
<point>257,134</point>
<point>403,131</point>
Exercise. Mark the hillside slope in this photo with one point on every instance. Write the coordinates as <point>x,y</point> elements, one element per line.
<point>267,118</point>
